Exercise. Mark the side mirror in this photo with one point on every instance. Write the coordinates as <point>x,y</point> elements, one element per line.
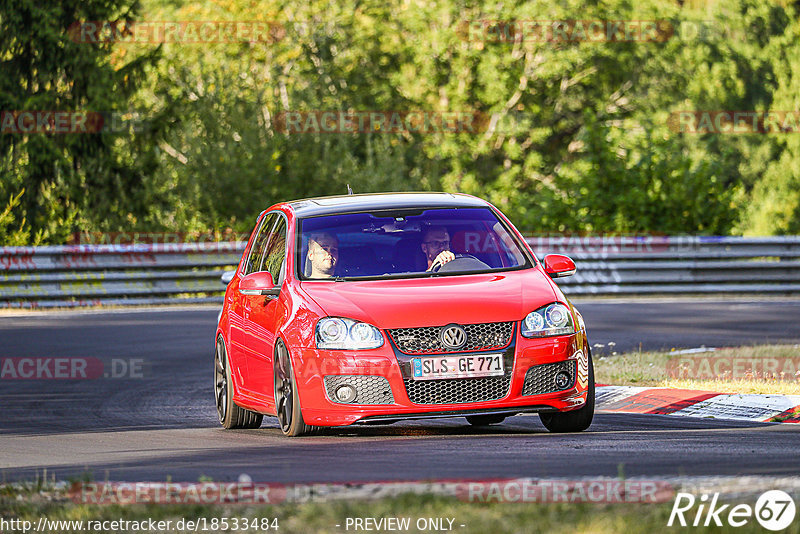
<point>227,276</point>
<point>558,266</point>
<point>259,284</point>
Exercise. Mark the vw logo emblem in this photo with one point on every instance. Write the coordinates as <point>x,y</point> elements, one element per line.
<point>453,336</point>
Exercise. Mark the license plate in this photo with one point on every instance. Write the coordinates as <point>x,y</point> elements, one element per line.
<point>457,366</point>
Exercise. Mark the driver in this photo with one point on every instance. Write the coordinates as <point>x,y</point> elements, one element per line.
<point>323,255</point>
<point>436,246</point>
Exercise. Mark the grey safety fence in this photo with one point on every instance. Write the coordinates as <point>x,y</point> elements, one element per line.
<point>90,275</point>
<point>618,265</point>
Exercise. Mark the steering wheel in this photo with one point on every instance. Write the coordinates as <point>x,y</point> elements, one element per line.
<point>460,263</point>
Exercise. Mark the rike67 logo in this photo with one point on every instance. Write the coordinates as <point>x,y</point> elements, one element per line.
<point>774,510</point>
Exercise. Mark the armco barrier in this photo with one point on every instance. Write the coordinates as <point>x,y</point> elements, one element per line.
<point>674,265</point>
<point>86,275</point>
<point>90,275</point>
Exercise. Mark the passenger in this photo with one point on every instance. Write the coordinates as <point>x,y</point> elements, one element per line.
<point>323,255</point>
<point>436,246</point>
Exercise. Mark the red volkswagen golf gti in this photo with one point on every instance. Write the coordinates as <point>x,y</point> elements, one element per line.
<point>376,308</point>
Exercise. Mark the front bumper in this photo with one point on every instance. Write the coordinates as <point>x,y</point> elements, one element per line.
<point>385,366</point>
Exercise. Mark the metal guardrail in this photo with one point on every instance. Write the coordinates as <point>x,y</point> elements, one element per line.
<point>92,275</point>
<point>89,275</point>
<point>677,265</point>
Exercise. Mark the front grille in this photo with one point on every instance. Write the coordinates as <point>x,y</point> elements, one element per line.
<point>540,379</point>
<point>369,389</point>
<point>426,340</point>
<point>457,390</point>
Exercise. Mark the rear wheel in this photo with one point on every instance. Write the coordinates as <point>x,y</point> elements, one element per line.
<point>230,415</point>
<point>287,402</point>
<point>575,420</point>
<point>484,420</point>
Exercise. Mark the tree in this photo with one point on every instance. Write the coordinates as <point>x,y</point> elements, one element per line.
<point>72,180</point>
<point>576,136</point>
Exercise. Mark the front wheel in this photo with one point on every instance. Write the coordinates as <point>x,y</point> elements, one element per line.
<point>575,420</point>
<point>230,415</point>
<point>287,402</point>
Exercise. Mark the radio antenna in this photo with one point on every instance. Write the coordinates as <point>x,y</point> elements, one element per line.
<point>349,190</point>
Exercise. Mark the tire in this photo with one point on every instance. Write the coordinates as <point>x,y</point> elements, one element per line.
<point>230,415</point>
<point>575,420</point>
<point>485,420</point>
<point>287,401</point>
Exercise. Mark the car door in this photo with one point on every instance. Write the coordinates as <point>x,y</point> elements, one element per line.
<point>239,311</point>
<point>265,314</point>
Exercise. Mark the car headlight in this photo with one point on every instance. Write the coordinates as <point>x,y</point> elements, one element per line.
<point>347,334</point>
<point>551,320</point>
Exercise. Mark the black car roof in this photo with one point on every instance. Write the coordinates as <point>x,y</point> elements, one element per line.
<point>312,207</point>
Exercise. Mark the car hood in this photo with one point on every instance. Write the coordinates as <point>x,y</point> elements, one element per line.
<point>464,299</point>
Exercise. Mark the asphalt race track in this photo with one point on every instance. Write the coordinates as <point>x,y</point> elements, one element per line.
<point>668,324</point>
<point>162,422</point>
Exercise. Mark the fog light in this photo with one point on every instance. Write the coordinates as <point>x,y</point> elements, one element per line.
<point>563,380</point>
<point>345,393</point>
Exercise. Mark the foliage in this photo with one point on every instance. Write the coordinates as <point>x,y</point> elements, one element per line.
<point>12,231</point>
<point>73,181</point>
<point>775,206</point>
<point>580,138</point>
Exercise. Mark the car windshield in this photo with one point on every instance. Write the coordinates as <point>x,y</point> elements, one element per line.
<point>406,243</point>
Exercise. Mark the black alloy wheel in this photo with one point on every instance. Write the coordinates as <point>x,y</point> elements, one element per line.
<point>287,403</point>
<point>230,415</point>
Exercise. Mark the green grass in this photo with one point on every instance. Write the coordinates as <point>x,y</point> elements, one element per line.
<point>653,369</point>
<point>322,517</point>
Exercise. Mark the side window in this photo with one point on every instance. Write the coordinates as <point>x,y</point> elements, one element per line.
<point>276,251</point>
<point>256,257</point>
